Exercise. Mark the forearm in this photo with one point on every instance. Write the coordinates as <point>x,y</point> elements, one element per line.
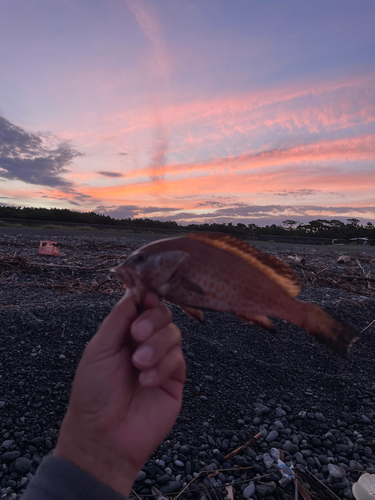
<point>58,479</point>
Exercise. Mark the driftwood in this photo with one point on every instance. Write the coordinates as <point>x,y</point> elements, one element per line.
<point>306,477</point>
<point>246,445</point>
<point>359,284</point>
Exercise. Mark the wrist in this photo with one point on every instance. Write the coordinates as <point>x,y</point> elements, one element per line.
<point>96,458</point>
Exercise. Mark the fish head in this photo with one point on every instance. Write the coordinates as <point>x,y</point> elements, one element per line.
<point>151,270</point>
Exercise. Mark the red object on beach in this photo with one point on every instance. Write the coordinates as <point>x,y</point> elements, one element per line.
<point>49,248</point>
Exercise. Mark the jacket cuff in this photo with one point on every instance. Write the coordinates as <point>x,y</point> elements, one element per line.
<point>58,479</point>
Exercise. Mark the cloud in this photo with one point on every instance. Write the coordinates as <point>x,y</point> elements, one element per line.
<point>338,150</point>
<point>298,193</point>
<point>152,30</point>
<point>106,173</point>
<point>271,214</point>
<point>302,193</point>
<point>158,67</point>
<point>125,211</point>
<point>239,212</point>
<point>25,156</point>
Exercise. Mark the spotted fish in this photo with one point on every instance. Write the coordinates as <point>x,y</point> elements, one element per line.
<point>209,271</point>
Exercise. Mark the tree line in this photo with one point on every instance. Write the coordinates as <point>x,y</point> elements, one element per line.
<point>323,228</point>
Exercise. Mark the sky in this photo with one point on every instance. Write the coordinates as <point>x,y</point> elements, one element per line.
<point>251,111</point>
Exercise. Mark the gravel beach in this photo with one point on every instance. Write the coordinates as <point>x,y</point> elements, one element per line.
<point>313,409</point>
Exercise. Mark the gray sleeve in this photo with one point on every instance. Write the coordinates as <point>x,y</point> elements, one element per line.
<point>58,479</point>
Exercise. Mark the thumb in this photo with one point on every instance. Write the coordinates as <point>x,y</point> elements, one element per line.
<point>114,329</point>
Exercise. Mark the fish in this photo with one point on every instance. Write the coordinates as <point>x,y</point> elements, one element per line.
<point>217,272</point>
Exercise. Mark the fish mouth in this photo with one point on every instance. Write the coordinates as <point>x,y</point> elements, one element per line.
<point>123,275</point>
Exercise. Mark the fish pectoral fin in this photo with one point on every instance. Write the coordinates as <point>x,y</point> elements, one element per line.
<point>191,286</point>
<point>262,321</point>
<point>193,313</point>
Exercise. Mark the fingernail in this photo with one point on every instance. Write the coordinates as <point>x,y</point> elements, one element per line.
<point>143,355</point>
<point>143,329</point>
<point>147,377</point>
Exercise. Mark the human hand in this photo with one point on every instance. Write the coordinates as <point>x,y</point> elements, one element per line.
<point>126,394</point>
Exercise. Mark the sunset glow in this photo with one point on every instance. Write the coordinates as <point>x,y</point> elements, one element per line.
<point>190,111</point>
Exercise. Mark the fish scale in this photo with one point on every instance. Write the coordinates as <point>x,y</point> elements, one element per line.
<point>212,271</point>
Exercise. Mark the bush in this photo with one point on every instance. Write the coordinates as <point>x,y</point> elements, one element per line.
<point>84,228</point>
<point>3,224</point>
<point>52,226</point>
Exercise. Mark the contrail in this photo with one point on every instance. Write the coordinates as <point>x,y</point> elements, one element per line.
<point>159,68</point>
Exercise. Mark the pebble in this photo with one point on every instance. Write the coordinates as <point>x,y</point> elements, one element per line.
<point>267,460</point>
<point>263,431</point>
<point>141,475</point>
<point>23,465</point>
<point>10,455</point>
<point>171,487</point>
<point>272,436</point>
<point>335,471</point>
<point>249,490</point>
<point>280,412</point>
<point>7,443</point>
<point>264,490</point>
<point>290,447</point>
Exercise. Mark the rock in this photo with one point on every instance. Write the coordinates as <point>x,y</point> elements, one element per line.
<point>265,489</point>
<point>162,479</point>
<point>290,448</point>
<point>249,490</point>
<point>152,470</point>
<point>7,443</point>
<point>335,471</point>
<point>263,431</point>
<point>267,460</point>
<point>10,455</point>
<point>171,487</point>
<point>2,404</point>
<point>341,448</point>
<point>178,463</point>
<point>262,408</point>
<point>240,461</point>
<point>23,465</point>
<point>348,495</point>
<point>141,475</point>
<point>280,412</point>
<point>319,417</point>
<point>185,449</point>
<point>272,436</point>
<point>366,419</point>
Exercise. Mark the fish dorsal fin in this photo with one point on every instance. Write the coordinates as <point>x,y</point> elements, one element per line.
<point>270,265</point>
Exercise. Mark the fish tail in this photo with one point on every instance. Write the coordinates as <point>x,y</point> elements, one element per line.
<point>336,335</point>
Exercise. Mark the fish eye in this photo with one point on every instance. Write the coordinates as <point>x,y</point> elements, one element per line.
<point>140,257</point>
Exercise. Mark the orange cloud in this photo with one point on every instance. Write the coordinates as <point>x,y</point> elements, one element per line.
<point>341,150</point>
<point>239,185</point>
